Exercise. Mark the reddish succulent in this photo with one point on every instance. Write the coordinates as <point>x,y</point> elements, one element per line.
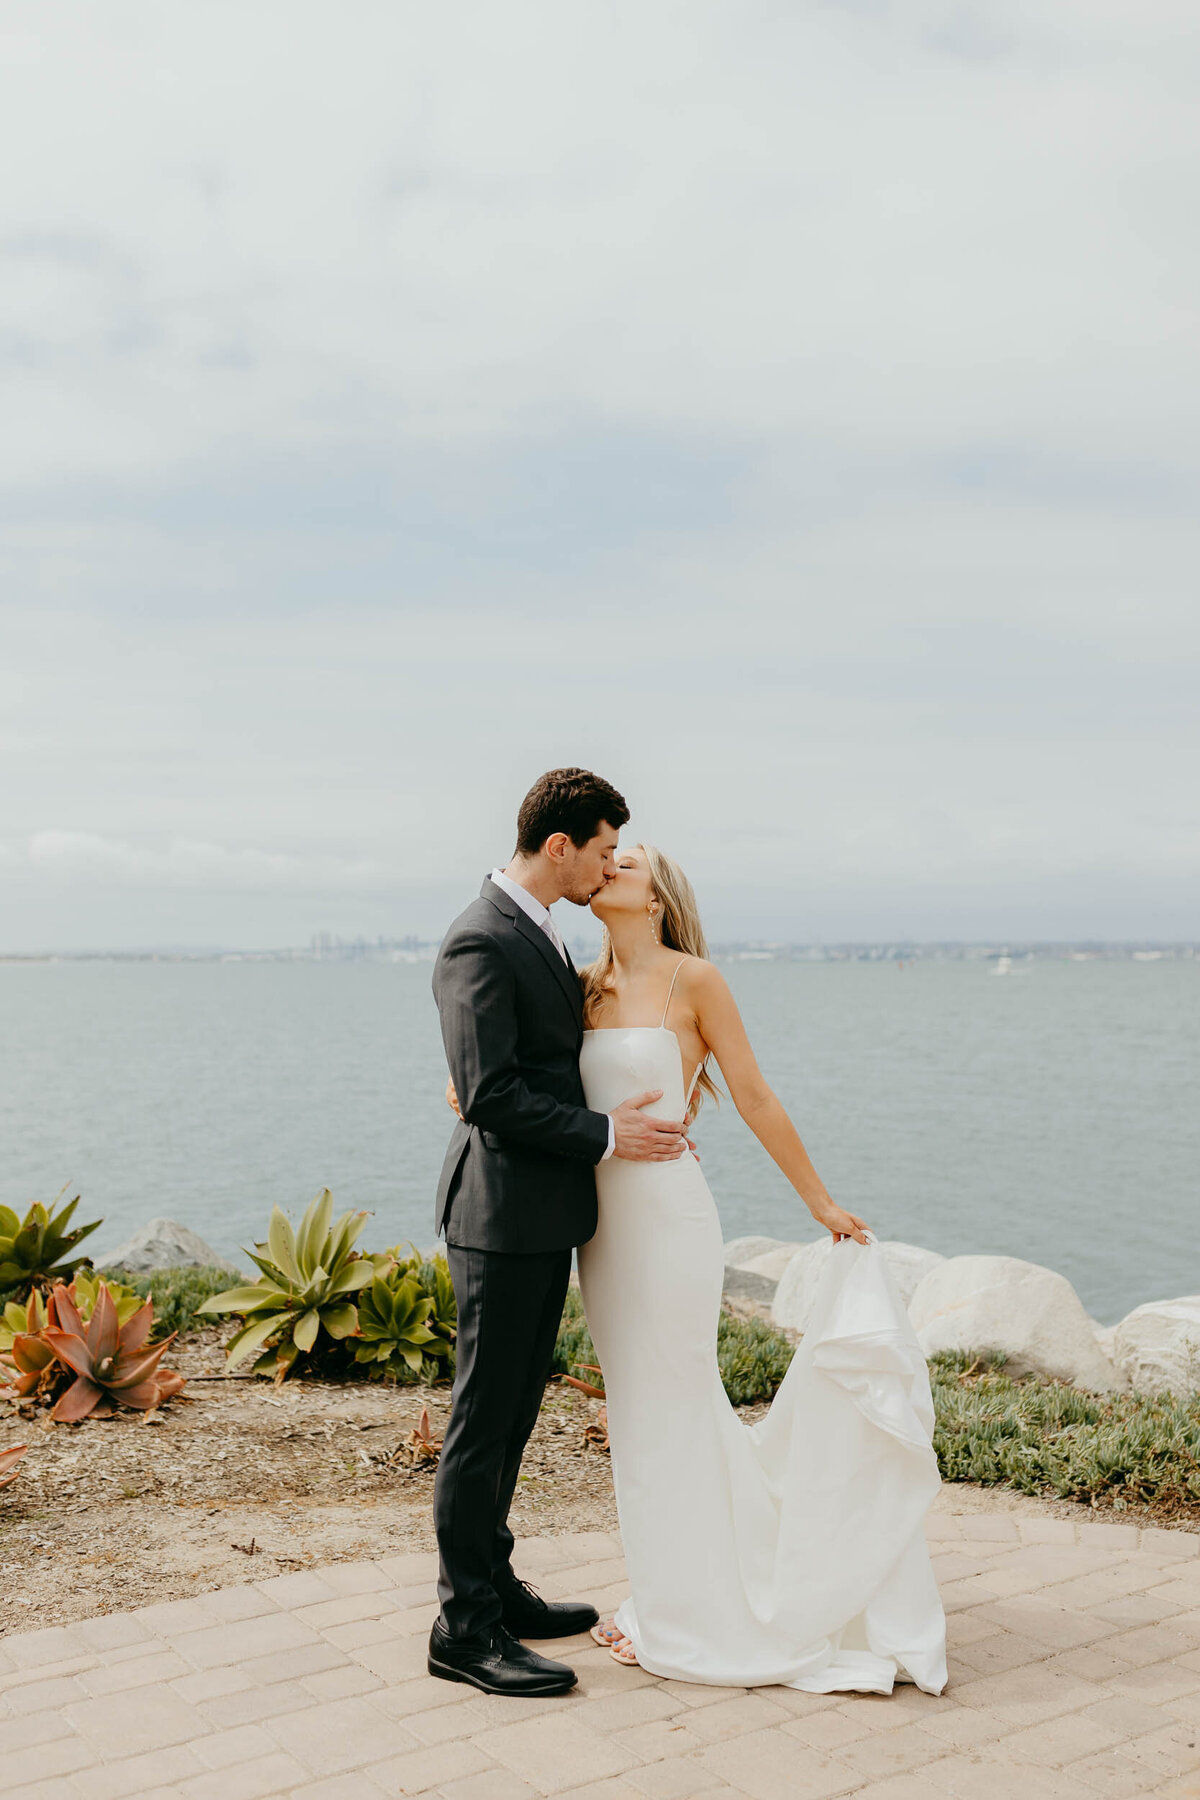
<point>112,1364</point>
<point>8,1460</point>
<point>28,1353</point>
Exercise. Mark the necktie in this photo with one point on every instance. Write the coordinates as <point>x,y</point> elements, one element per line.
<point>551,931</point>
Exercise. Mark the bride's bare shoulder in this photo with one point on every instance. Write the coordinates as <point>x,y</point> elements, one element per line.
<point>698,977</point>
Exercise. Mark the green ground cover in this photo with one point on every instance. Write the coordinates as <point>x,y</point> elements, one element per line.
<point>1039,1437</point>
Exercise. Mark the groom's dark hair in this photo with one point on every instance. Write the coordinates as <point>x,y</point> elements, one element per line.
<point>570,800</point>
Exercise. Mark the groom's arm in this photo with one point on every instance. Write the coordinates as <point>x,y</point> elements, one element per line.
<point>477,1003</point>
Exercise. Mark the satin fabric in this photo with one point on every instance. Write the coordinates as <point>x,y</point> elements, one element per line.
<point>791,1551</point>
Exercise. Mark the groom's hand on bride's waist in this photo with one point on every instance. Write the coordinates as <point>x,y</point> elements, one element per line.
<point>653,1130</point>
<point>639,1139</point>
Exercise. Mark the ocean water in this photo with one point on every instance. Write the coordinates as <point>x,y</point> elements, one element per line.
<point>1050,1113</point>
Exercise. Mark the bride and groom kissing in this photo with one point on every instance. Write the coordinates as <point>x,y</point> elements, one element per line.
<point>791,1551</point>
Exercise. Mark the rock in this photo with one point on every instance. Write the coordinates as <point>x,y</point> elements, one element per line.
<point>740,1251</point>
<point>1157,1346</point>
<point>753,1266</point>
<point>797,1290</point>
<point>772,1264</point>
<point>162,1244</point>
<point>1001,1305</point>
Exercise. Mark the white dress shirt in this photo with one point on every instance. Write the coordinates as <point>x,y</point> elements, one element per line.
<point>540,915</point>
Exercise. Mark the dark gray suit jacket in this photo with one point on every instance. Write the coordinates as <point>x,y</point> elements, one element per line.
<point>519,1175</point>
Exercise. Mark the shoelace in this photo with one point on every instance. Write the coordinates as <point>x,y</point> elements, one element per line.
<point>529,1593</point>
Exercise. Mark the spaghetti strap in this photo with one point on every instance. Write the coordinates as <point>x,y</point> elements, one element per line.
<point>696,1074</point>
<point>670,991</point>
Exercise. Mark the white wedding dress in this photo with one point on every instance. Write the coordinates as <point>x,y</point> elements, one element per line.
<point>791,1551</point>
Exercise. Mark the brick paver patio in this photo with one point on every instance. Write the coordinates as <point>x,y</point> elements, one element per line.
<point>1074,1667</point>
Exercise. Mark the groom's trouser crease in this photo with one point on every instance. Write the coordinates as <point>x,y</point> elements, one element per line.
<point>509,1311</point>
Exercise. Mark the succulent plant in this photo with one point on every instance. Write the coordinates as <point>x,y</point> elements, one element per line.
<point>307,1278</point>
<point>8,1461</point>
<point>395,1340</point>
<point>18,1316</point>
<point>112,1362</point>
<point>32,1317</point>
<point>27,1360</point>
<point>85,1291</point>
<point>407,1319</point>
<point>435,1276</point>
<point>34,1251</point>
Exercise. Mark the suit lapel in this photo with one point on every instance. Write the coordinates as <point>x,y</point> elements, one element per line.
<point>537,937</point>
<point>564,972</point>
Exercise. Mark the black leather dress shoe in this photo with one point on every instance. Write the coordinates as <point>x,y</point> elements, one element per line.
<point>496,1663</point>
<point>527,1615</point>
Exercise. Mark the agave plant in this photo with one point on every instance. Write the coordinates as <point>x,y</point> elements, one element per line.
<point>8,1461</point>
<point>84,1291</point>
<point>17,1318</point>
<point>113,1363</point>
<point>25,1351</point>
<point>395,1340</point>
<point>33,1317</point>
<point>34,1251</point>
<point>438,1285</point>
<point>407,1319</point>
<point>307,1278</point>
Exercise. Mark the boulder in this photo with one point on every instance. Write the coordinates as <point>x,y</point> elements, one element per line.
<point>1157,1346</point>
<point>740,1251</point>
<point>1001,1305</point>
<point>163,1244</point>
<point>753,1266</point>
<point>798,1285</point>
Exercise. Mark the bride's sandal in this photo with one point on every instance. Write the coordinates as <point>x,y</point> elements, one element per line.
<point>625,1654</point>
<point>607,1635</point>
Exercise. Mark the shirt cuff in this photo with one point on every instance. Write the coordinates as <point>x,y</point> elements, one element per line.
<point>612,1139</point>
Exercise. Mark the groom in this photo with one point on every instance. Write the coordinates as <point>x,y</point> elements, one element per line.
<point>517,1192</point>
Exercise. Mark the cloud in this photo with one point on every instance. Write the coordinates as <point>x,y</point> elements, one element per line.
<point>786,409</point>
<point>74,856</point>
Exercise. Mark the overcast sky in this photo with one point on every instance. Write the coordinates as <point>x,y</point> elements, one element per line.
<point>788,409</point>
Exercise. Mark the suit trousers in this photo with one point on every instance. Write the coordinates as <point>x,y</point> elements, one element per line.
<point>509,1308</point>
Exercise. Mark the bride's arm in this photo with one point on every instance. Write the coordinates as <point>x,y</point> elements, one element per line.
<point>720,1025</point>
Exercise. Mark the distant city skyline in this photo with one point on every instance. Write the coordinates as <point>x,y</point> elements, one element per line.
<point>326,948</point>
<point>784,411</point>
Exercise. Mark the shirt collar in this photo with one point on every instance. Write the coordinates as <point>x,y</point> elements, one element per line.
<point>524,899</point>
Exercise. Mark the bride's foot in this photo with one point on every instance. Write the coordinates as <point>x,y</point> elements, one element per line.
<point>610,1637</point>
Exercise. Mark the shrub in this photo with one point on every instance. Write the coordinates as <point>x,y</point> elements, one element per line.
<point>753,1357</point>
<point>573,1348</point>
<point>178,1294</point>
<point>34,1251</point>
<point>1043,1437</point>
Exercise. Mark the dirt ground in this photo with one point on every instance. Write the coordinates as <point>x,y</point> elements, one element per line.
<point>238,1480</point>
<point>118,1513</point>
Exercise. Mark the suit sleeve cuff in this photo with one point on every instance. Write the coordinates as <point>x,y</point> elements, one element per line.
<point>612,1139</point>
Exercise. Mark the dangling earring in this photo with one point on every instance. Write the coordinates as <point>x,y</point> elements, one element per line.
<point>654,933</point>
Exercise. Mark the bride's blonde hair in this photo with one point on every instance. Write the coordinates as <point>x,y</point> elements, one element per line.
<point>681,930</point>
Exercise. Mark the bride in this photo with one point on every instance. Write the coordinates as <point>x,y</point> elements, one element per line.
<point>791,1551</point>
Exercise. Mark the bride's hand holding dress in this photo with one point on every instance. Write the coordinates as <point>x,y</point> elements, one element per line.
<point>706,1010</point>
